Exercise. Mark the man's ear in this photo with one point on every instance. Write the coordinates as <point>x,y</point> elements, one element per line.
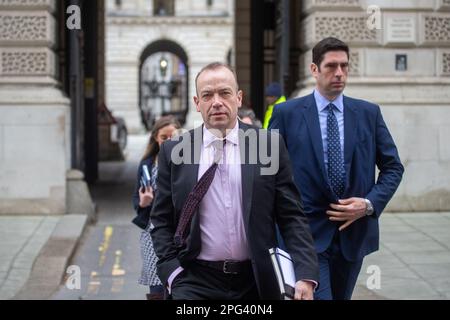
<point>196,101</point>
<point>239,97</point>
<point>314,69</point>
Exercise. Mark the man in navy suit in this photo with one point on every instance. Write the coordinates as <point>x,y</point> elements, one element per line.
<point>334,144</point>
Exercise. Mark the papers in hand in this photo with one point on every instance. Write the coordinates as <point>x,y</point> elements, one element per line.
<point>145,179</point>
<point>284,271</point>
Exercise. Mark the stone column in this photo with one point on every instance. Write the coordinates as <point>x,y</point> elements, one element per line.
<point>404,66</point>
<point>34,113</point>
<point>242,43</point>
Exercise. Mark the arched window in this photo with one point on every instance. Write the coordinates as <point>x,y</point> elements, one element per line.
<point>164,82</point>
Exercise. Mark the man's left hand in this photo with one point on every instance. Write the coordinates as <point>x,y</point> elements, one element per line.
<point>304,290</point>
<point>348,210</point>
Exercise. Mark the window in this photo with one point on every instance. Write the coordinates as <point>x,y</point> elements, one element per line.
<point>163,7</point>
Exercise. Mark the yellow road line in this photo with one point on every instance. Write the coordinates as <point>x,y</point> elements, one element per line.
<point>107,235</point>
<point>94,283</point>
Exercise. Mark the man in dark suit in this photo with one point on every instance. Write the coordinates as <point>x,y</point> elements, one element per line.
<point>335,143</point>
<point>223,253</point>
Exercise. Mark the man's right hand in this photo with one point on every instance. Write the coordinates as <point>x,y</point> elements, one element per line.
<point>145,196</point>
<point>304,290</point>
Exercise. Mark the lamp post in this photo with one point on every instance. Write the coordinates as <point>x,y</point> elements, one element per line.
<point>163,64</point>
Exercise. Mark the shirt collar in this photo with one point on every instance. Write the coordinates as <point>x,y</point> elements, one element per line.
<point>231,137</point>
<point>323,102</point>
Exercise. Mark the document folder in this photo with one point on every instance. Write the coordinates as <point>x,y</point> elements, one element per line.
<point>284,272</point>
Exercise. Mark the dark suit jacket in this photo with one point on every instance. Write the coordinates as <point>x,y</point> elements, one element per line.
<point>367,143</point>
<point>267,199</point>
<point>142,214</point>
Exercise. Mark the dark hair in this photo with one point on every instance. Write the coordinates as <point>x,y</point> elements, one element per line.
<point>246,112</point>
<point>152,149</point>
<point>325,45</point>
<point>213,66</point>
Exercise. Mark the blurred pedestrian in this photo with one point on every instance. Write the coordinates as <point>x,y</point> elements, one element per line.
<point>162,130</point>
<point>247,115</point>
<point>274,95</point>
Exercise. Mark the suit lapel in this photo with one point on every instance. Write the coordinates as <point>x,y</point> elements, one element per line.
<point>247,172</point>
<point>312,121</point>
<point>350,125</point>
<point>192,159</point>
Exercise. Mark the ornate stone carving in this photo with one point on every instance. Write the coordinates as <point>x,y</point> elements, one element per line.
<point>23,27</point>
<point>437,28</point>
<point>346,28</point>
<point>354,63</point>
<point>445,63</point>
<point>15,62</point>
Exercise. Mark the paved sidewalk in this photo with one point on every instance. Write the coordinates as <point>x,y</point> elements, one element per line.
<point>34,251</point>
<point>414,258</point>
<point>21,240</point>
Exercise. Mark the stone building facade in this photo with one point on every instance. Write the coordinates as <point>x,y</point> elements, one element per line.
<point>403,64</point>
<point>34,112</point>
<point>400,53</point>
<point>203,30</point>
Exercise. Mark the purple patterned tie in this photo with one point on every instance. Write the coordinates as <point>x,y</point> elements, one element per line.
<point>194,198</point>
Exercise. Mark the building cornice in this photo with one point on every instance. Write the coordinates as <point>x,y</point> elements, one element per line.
<point>144,20</point>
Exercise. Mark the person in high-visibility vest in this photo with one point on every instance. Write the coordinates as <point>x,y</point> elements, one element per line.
<point>274,95</point>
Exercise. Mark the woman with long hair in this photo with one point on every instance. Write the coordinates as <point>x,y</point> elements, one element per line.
<point>143,196</point>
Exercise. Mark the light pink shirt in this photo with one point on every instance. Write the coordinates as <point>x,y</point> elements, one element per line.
<point>221,217</point>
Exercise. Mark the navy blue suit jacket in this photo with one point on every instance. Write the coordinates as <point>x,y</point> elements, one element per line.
<point>367,143</point>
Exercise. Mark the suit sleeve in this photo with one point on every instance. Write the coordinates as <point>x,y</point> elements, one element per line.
<point>292,221</point>
<point>388,162</point>
<point>162,217</point>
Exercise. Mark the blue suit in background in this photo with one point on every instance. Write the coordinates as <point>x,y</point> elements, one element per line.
<point>367,144</point>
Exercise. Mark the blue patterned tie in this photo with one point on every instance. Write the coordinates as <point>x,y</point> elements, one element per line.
<point>335,161</point>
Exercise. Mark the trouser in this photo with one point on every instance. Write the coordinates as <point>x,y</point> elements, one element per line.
<point>199,282</point>
<point>156,289</point>
<point>337,275</point>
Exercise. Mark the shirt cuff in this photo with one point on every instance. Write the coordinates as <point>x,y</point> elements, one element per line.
<point>173,275</point>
